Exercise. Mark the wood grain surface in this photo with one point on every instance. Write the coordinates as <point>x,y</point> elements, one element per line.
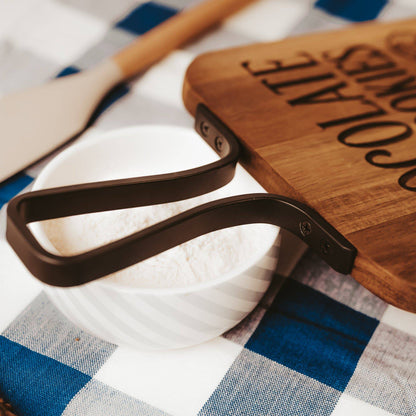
<point>329,119</point>
<point>6,409</point>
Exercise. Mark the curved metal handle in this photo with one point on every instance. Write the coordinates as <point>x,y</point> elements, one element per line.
<point>284,212</point>
<point>228,212</point>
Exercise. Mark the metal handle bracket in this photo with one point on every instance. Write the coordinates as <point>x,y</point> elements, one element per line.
<point>278,210</point>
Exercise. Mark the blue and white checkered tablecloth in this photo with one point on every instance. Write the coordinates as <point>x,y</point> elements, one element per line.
<point>320,345</point>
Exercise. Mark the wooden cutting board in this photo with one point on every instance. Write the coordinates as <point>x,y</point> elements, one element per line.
<point>329,119</point>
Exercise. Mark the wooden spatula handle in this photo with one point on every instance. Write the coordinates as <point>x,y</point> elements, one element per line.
<point>172,33</point>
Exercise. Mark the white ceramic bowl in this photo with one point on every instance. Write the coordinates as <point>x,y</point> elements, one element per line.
<point>151,318</point>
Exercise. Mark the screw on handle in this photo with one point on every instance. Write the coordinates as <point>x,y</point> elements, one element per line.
<point>305,228</point>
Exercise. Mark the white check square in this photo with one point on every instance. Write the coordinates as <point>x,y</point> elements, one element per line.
<point>57,32</point>
<point>178,382</point>
<point>348,405</point>
<point>164,81</point>
<point>12,11</point>
<point>17,287</point>
<point>268,20</point>
<point>400,319</point>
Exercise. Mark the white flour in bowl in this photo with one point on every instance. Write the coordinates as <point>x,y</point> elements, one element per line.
<point>207,257</point>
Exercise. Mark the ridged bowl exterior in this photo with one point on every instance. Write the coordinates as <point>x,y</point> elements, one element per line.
<point>167,320</point>
<point>155,318</point>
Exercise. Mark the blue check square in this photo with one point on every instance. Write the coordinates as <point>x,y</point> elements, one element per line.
<point>36,385</point>
<point>313,335</point>
<point>146,17</point>
<point>11,187</point>
<point>354,10</point>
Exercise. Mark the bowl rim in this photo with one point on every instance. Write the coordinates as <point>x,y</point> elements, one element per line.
<point>97,138</point>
